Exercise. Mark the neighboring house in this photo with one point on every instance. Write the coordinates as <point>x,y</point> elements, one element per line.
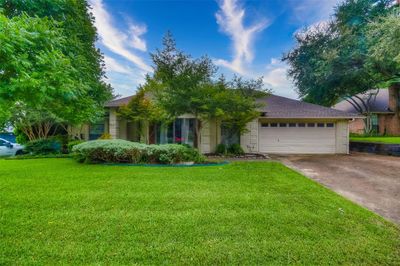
<point>383,107</point>
<point>284,126</point>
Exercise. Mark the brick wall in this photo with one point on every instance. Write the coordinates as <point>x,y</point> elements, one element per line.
<point>391,123</point>
<point>356,126</point>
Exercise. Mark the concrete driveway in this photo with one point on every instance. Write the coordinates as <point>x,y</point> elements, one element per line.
<point>372,181</point>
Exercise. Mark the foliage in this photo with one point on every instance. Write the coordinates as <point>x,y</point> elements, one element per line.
<point>49,46</point>
<point>235,149</point>
<point>221,149</point>
<point>235,214</point>
<point>123,151</point>
<point>383,39</point>
<point>40,156</point>
<point>105,136</point>
<point>43,147</point>
<point>72,144</point>
<point>20,136</point>
<point>142,110</point>
<point>330,60</point>
<point>183,85</point>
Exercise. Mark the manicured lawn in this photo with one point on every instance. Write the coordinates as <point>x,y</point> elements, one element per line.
<point>55,211</point>
<point>388,140</point>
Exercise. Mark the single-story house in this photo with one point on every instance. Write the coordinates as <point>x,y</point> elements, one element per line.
<point>284,126</point>
<point>384,110</point>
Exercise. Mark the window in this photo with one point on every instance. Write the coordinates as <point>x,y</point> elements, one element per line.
<point>330,124</point>
<point>301,124</point>
<point>264,124</point>
<point>274,124</point>
<point>96,130</point>
<point>282,124</point>
<point>375,123</point>
<point>292,124</point>
<point>311,125</point>
<point>321,124</point>
<point>182,130</point>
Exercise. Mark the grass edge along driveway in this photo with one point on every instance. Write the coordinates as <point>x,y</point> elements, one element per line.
<point>56,211</point>
<point>384,140</point>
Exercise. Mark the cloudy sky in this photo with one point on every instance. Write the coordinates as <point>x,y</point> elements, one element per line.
<point>246,38</point>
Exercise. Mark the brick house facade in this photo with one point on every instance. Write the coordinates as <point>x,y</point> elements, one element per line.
<point>384,110</point>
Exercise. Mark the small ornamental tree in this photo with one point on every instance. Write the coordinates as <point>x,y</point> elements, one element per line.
<point>142,110</point>
<point>183,85</point>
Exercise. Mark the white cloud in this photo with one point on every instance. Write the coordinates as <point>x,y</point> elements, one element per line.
<point>135,39</point>
<point>310,11</point>
<point>116,40</point>
<point>276,78</point>
<point>230,19</point>
<point>113,65</point>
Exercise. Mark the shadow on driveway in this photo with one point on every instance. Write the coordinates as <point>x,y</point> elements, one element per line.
<point>372,181</point>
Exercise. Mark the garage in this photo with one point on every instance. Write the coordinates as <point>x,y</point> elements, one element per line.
<point>297,137</point>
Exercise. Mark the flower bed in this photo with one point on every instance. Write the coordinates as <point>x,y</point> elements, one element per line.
<point>123,151</point>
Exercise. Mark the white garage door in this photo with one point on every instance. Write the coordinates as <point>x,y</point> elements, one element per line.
<point>297,138</point>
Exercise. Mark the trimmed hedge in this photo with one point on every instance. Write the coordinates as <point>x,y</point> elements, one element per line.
<point>123,151</point>
<point>73,143</point>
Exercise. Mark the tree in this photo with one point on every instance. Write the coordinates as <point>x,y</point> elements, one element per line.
<point>332,61</point>
<point>142,110</point>
<point>62,29</point>
<point>34,72</point>
<point>183,85</point>
<point>383,39</point>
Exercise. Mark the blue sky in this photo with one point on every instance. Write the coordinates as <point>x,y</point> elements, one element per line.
<point>242,37</point>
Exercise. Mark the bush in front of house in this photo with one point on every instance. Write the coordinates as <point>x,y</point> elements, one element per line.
<point>221,149</point>
<point>43,146</point>
<point>111,151</point>
<point>123,151</point>
<point>235,149</point>
<point>72,144</point>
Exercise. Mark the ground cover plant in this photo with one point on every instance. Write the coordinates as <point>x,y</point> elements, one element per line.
<point>57,211</point>
<point>377,139</point>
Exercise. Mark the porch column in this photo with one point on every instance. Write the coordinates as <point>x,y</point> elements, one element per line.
<point>113,124</point>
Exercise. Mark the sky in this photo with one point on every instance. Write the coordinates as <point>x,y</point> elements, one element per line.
<point>246,38</point>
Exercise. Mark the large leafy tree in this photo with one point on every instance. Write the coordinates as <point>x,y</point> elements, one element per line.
<point>346,57</point>
<point>330,61</point>
<point>182,85</point>
<point>383,41</point>
<point>66,81</point>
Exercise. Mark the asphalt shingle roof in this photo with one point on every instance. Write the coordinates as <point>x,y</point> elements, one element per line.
<point>118,102</point>
<point>279,107</point>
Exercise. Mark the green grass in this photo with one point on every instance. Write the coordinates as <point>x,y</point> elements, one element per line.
<point>387,140</point>
<point>56,211</point>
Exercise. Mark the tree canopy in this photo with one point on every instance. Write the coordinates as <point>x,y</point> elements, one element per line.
<point>335,60</point>
<point>49,66</point>
<point>182,85</point>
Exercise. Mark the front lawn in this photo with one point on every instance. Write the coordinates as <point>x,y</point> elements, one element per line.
<point>56,211</point>
<point>386,140</point>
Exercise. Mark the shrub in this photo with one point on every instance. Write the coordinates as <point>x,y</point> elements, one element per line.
<point>116,150</point>
<point>122,151</point>
<point>73,143</point>
<point>43,147</point>
<point>235,149</point>
<point>105,136</point>
<point>221,149</point>
<point>171,153</point>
